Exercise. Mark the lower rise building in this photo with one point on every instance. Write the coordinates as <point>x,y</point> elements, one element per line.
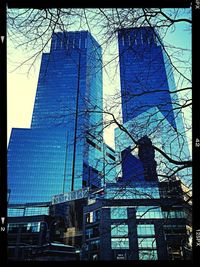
<point>134,221</point>
<point>137,227</point>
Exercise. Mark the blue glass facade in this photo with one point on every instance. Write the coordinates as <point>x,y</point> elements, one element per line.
<point>162,135</point>
<point>144,82</point>
<point>148,108</point>
<point>35,164</point>
<point>70,83</point>
<point>134,190</point>
<point>23,210</point>
<point>63,149</point>
<point>132,166</point>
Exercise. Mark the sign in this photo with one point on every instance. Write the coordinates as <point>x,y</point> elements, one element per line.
<point>78,194</point>
<point>121,256</point>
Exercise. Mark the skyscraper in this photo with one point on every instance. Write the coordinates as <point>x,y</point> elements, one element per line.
<point>54,155</point>
<point>144,83</point>
<point>148,107</point>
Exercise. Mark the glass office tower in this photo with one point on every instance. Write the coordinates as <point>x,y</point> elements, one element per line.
<point>144,83</point>
<point>52,156</point>
<point>148,108</point>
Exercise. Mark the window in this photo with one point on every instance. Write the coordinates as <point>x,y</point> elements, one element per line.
<point>148,212</point>
<point>110,156</point>
<point>93,216</point>
<point>89,217</point>
<point>32,227</point>
<point>145,230</point>
<point>88,233</point>
<point>93,144</point>
<point>118,213</point>
<point>133,193</point>
<point>120,243</point>
<point>174,214</point>
<point>30,211</point>
<point>119,230</point>
<point>92,232</point>
<point>146,192</point>
<point>174,229</point>
<point>147,242</point>
<point>148,255</point>
<point>15,212</point>
<point>97,215</point>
